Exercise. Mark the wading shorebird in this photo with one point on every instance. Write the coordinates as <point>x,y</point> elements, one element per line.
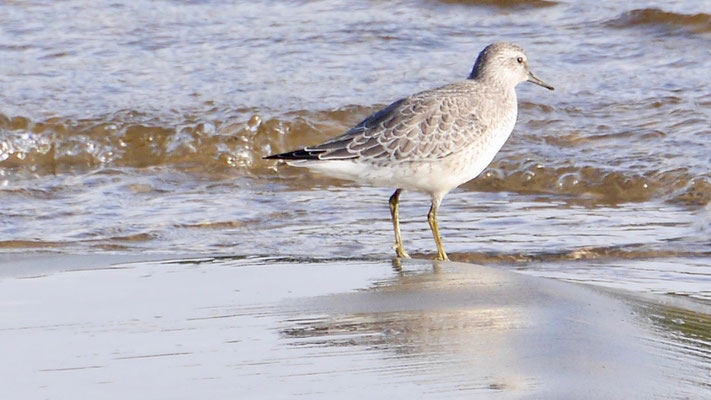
<point>432,141</point>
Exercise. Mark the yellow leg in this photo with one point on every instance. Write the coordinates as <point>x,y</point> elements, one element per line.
<point>434,225</point>
<point>394,208</point>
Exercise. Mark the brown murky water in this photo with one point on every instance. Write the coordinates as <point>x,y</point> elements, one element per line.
<point>140,128</point>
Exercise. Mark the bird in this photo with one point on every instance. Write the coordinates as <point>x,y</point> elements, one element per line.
<point>432,141</point>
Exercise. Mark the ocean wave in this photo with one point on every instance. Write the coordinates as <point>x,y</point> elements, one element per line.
<point>131,140</point>
<point>694,23</point>
<point>595,184</point>
<point>505,3</point>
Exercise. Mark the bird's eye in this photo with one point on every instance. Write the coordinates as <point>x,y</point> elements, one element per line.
<point>520,60</point>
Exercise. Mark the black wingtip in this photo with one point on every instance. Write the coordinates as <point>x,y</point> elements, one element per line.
<point>273,157</point>
<point>302,154</point>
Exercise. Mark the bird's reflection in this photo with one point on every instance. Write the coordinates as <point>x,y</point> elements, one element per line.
<point>429,312</point>
<point>480,328</point>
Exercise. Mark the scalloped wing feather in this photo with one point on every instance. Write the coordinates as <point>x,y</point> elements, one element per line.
<point>427,126</point>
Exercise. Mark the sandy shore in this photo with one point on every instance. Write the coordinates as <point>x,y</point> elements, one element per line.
<point>256,328</point>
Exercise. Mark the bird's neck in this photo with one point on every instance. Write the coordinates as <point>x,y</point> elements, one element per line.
<point>492,80</point>
<point>495,86</point>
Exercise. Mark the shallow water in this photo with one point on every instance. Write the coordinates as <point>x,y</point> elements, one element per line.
<point>141,127</point>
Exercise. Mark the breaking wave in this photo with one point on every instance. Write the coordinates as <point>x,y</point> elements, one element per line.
<point>129,139</point>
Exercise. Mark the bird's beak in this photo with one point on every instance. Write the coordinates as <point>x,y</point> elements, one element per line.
<point>533,79</point>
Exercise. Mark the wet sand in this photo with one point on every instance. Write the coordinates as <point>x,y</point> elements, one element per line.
<point>299,328</point>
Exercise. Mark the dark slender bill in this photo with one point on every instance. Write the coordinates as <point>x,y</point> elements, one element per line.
<point>534,79</point>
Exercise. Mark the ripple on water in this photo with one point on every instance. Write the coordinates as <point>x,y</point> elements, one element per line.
<point>504,3</point>
<point>668,22</point>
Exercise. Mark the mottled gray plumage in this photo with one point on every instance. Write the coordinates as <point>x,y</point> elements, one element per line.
<point>431,141</point>
<point>426,126</point>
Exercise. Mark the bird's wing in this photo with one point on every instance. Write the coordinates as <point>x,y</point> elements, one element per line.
<point>424,127</point>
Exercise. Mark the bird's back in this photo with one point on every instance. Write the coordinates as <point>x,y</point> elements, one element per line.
<point>424,127</point>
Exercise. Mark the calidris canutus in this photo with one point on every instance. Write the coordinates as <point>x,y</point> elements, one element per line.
<point>432,141</point>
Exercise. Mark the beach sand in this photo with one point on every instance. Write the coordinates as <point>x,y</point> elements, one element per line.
<point>290,328</point>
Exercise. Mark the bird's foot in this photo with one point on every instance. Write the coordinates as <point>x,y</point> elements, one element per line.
<point>400,251</point>
<point>442,257</point>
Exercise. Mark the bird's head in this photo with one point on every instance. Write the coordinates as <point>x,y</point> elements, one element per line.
<point>505,63</point>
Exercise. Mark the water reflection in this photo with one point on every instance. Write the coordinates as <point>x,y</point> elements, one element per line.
<point>475,329</point>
